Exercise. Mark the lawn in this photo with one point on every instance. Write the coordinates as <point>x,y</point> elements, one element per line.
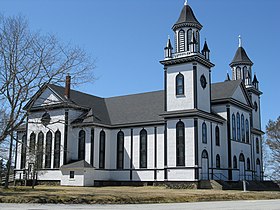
<point>120,195</point>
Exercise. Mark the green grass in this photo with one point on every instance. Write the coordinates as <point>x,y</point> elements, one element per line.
<point>121,195</point>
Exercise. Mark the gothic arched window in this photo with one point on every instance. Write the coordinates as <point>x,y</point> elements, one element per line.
<point>217,132</point>
<point>23,152</point>
<point>39,155</point>
<point>182,42</point>
<point>204,133</point>
<point>233,124</point>
<point>247,131</point>
<point>218,161</point>
<point>241,158</point>
<point>120,150</point>
<point>102,149</point>
<point>180,84</point>
<point>238,72</point>
<point>32,143</point>
<point>234,162</point>
<point>180,144</point>
<point>238,127</point>
<point>257,145</point>
<point>242,128</point>
<point>204,154</point>
<point>82,145</point>
<point>248,164</point>
<point>48,152</point>
<point>57,143</point>
<point>143,148</point>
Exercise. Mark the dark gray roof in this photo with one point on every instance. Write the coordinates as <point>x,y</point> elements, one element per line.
<point>187,17</point>
<point>241,57</point>
<point>78,164</point>
<point>137,108</point>
<point>224,90</point>
<point>205,47</point>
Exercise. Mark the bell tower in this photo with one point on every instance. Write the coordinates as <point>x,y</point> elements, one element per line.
<point>187,69</point>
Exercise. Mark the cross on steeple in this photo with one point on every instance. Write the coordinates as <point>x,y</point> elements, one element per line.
<point>186,2</point>
<point>240,41</point>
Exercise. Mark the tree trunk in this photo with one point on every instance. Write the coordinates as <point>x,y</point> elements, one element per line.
<point>9,162</point>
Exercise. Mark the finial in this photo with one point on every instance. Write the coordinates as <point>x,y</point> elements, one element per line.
<point>186,2</point>
<point>168,37</point>
<point>240,41</point>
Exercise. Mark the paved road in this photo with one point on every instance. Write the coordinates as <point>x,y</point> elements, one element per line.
<point>225,205</point>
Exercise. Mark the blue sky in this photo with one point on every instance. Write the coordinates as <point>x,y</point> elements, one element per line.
<point>127,37</point>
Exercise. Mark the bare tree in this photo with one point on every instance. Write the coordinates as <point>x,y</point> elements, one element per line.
<point>273,141</point>
<point>29,60</point>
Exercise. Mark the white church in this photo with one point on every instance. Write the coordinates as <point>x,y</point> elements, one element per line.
<point>190,131</point>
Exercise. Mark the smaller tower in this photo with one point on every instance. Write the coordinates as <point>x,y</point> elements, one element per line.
<point>168,49</point>
<point>241,64</point>
<point>255,82</point>
<point>205,51</point>
<point>247,80</point>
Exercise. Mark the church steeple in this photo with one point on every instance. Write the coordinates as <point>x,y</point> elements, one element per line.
<point>168,49</point>
<point>241,64</point>
<point>205,51</point>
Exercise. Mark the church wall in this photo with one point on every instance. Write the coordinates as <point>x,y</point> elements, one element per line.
<point>203,95</point>
<point>256,114</point>
<point>180,102</point>
<point>49,175</point>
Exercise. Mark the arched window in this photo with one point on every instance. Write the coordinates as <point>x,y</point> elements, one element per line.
<point>198,41</point>
<point>204,154</point>
<point>204,133</point>
<point>238,127</point>
<point>241,158</point>
<point>180,84</point>
<point>238,72</point>
<point>244,71</point>
<point>217,132</point>
<point>57,143</point>
<point>234,162</point>
<point>180,144</point>
<point>82,145</point>
<point>189,38</point>
<point>247,132</point>
<point>48,151</point>
<point>120,150</point>
<point>248,164</point>
<point>257,145</point>
<point>32,143</point>
<point>102,150</point>
<point>182,41</point>
<point>39,161</point>
<point>23,152</point>
<point>233,124</point>
<point>218,161</point>
<point>242,128</point>
<point>258,161</point>
<point>143,148</point>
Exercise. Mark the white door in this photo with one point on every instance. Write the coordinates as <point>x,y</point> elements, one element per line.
<point>204,166</point>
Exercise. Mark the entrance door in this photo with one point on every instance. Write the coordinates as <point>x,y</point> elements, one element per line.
<point>242,175</point>
<point>204,166</point>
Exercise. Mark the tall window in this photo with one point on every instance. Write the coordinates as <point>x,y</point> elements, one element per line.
<point>39,161</point>
<point>180,84</point>
<point>198,41</point>
<point>57,143</point>
<point>241,158</point>
<point>248,164</point>
<point>189,38</point>
<point>143,148</point>
<point>120,150</point>
<point>82,145</point>
<point>258,161</point>
<point>92,146</point>
<point>233,124</point>
<point>180,144</point>
<point>238,127</point>
<point>23,152</point>
<point>182,41</point>
<point>247,132</point>
<point>204,154</point>
<point>204,133</point>
<point>32,143</point>
<point>234,162</point>
<point>238,72</point>
<point>243,128</point>
<point>257,145</point>
<point>218,161</point>
<point>48,152</point>
<point>217,132</point>
<point>102,150</point>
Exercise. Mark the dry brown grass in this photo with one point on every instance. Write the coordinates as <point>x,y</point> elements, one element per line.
<point>117,195</point>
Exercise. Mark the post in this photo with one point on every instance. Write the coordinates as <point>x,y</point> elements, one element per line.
<point>244,186</point>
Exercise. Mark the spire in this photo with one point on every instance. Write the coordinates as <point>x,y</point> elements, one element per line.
<point>187,18</point>
<point>241,56</point>
<point>248,79</point>
<point>255,82</point>
<point>205,51</point>
<point>168,49</point>
<point>168,44</point>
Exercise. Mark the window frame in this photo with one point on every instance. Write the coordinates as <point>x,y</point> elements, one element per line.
<point>102,149</point>
<point>57,144</point>
<point>180,85</point>
<point>120,150</point>
<point>180,144</point>
<point>82,145</point>
<point>143,157</point>
<point>204,133</point>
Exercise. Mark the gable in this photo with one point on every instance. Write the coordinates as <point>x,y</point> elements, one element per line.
<point>47,97</point>
<point>240,95</point>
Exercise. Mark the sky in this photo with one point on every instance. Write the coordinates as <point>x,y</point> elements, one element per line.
<point>126,39</point>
